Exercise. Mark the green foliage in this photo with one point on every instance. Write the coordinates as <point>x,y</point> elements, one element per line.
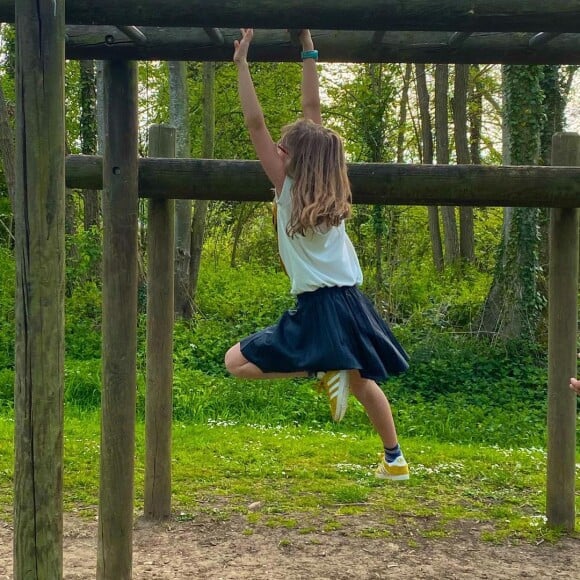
<point>83,383</point>
<point>199,397</point>
<point>87,97</point>
<point>232,303</point>
<point>528,119</point>
<point>554,105</point>
<point>7,289</point>
<point>370,126</point>
<point>465,389</point>
<point>8,54</point>
<point>72,106</point>
<point>516,302</point>
<point>84,254</point>
<point>493,374</point>
<point>524,112</point>
<point>83,322</point>
<point>6,388</point>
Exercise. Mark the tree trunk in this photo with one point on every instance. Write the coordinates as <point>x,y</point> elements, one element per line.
<point>179,118</point>
<point>514,303</point>
<point>460,87</point>
<point>245,211</point>
<point>200,212</point>
<point>70,216</point>
<point>88,129</point>
<point>403,113</point>
<point>100,107</point>
<point>427,158</point>
<point>475,113</point>
<point>7,146</point>
<point>442,136</point>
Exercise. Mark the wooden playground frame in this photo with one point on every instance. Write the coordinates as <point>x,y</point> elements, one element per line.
<point>529,32</point>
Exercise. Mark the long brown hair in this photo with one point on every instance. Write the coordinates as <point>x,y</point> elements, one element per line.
<point>321,195</point>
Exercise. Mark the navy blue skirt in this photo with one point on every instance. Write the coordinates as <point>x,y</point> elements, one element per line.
<point>332,328</point>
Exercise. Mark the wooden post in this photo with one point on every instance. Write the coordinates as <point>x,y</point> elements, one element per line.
<point>40,276</point>
<point>120,211</point>
<point>563,321</point>
<point>158,407</point>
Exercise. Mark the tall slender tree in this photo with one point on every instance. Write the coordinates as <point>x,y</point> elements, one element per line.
<point>88,131</point>
<point>207,151</point>
<point>403,107</point>
<point>7,151</point>
<point>179,118</point>
<point>427,158</point>
<point>475,114</point>
<point>7,145</point>
<point>442,155</point>
<point>459,107</point>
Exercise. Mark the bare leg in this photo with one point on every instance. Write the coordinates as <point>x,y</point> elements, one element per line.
<point>239,366</point>
<point>377,407</point>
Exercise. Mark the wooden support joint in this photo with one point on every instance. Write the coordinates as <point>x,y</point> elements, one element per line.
<point>458,38</point>
<point>134,34</point>
<point>542,38</point>
<point>215,35</point>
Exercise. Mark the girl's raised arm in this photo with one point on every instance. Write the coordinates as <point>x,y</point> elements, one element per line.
<point>310,86</point>
<point>266,149</point>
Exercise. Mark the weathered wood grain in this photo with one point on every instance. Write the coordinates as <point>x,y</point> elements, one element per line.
<point>390,184</point>
<point>40,276</point>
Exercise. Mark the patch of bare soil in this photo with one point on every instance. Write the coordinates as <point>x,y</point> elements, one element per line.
<point>208,549</point>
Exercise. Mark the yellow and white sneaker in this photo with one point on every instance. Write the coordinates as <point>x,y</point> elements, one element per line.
<point>397,470</point>
<point>335,385</point>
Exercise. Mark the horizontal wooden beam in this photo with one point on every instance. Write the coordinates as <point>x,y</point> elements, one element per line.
<point>449,15</point>
<point>380,183</point>
<point>193,44</point>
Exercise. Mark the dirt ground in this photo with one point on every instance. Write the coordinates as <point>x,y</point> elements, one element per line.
<point>209,549</point>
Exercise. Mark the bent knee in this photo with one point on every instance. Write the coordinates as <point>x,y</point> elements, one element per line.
<point>234,360</point>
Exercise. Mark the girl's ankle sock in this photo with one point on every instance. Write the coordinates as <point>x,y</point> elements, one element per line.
<point>391,453</point>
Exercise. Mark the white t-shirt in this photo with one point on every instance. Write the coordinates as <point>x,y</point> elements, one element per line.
<point>316,259</point>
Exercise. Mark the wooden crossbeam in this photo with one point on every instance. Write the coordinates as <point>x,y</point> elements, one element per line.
<point>96,42</point>
<point>382,183</point>
<point>448,15</point>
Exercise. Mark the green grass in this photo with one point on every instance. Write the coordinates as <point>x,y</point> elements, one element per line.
<point>311,479</point>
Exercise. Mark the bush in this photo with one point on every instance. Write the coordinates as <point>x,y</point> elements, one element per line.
<point>6,388</point>
<point>488,374</point>
<point>7,288</point>
<point>199,397</point>
<point>83,383</point>
<point>231,304</point>
<point>83,322</point>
